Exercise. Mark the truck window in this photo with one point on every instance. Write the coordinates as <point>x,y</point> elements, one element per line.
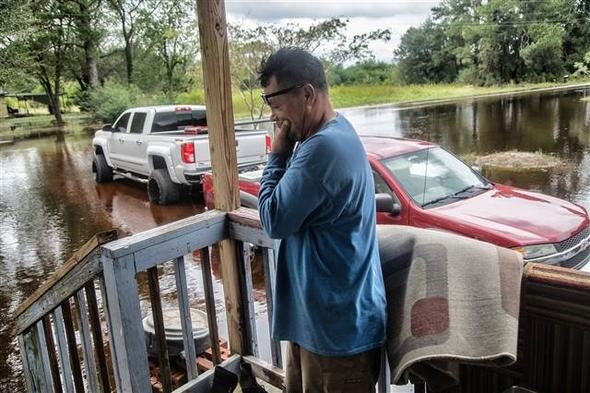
<point>381,186</point>
<point>121,124</point>
<point>137,122</point>
<point>177,121</point>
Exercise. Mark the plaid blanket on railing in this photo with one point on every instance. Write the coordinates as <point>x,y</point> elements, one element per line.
<point>451,300</point>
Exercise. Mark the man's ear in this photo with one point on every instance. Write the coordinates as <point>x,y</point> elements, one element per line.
<point>310,94</point>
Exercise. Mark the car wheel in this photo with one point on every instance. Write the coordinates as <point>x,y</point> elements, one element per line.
<point>102,171</point>
<point>161,189</point>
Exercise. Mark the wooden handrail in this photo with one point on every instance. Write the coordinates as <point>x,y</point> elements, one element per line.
<point>70,277</point>
<point>246,216</point>
<point>79,255</point>
<point>555,275</point>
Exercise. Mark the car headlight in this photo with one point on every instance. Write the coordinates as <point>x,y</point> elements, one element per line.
<point>536,251</point>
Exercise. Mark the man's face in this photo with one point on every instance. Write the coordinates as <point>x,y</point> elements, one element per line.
<point>287,109</point>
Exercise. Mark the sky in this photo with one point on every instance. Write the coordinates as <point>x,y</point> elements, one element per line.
<point>363,16</point>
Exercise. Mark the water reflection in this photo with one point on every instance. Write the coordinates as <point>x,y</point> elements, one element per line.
<point>557,123</point>
<point>50,206</point>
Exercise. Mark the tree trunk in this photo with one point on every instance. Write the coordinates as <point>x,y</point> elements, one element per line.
<point>170,77</point>
<point>57,104</point>
<point>92,69</point>
<point>129,59</point>
<point>53,96</point>
<point>90,72</point>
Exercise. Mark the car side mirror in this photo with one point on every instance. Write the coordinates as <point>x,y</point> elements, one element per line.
<point>476,168</point>
<point>107,127</point>
<point>385,204</point>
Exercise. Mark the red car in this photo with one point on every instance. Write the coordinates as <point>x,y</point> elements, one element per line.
<point>420,184</point>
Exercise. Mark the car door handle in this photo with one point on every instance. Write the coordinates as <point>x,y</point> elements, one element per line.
<point>139,142</point>
<point>121,140</point>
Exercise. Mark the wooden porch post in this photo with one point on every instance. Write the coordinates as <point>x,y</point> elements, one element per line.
<point>220,120</point>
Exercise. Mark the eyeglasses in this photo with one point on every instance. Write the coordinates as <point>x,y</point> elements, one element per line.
<point>265,97</point>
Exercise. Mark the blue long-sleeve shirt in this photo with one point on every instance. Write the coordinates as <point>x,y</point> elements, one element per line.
<point>329,294</point>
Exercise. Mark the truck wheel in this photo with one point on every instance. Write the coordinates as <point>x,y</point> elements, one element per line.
<point>161,189</point>
<point>102,171</point>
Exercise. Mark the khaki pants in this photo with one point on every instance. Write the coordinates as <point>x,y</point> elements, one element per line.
<point>311,373</point>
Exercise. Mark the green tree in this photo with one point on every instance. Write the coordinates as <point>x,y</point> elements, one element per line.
<point>576,39</point>
<point>368,72</point>
<point>16,60</point>
<point>85,15</point>
<point>129,14</point>
<point>497,41</point>
<point>424,56</point>
<point>250,46</point>
<point>169,32</point>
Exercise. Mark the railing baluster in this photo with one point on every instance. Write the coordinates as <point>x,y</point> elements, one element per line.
<point>210,304</point>
<point>185,319</point>
<point>97,336</point>
<point>384,383</point>
<point>72,346</point>
<point>44,358</point>
<point>125,319</point>
<point>111,334</point>
<point>64,359</point>
<point>89,360</point>
<point>585,364</point>
<point>269,282</point>
<point>245,267</point>
<point>47,329</point>
<point>154,285</point>
<point>24,349</point>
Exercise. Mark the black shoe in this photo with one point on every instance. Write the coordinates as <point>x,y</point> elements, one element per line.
<point>224,381</point>
<point>248,380</point>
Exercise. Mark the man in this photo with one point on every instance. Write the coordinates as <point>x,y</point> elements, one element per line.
<point>318,198</point>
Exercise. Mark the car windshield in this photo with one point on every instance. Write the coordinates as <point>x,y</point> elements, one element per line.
<point>432,177</point>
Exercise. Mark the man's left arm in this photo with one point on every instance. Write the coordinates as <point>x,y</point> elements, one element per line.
<point>288,198</point>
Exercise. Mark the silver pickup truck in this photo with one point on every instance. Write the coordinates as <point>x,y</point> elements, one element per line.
<point>166,147</point>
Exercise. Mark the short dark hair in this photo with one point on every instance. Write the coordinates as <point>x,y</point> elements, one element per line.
<point>291,66</point>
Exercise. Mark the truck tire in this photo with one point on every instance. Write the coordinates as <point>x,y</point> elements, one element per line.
<point>161,189</point>
<point>102,171</point>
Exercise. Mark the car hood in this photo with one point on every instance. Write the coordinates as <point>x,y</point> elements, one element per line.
<point>513,217</point>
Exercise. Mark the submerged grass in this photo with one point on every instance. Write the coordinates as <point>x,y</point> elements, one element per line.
<point>515,160</point>
<point>37,126</point>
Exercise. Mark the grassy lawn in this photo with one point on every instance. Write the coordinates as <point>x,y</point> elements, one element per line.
<point>361,95</point>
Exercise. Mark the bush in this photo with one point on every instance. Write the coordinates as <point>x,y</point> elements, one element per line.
<point>108,101</point>
<point>193,97</point>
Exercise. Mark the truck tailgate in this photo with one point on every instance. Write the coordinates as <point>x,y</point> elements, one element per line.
<point>250,149</point>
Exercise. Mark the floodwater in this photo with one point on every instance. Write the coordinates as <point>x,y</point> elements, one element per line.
<point>50,205</point>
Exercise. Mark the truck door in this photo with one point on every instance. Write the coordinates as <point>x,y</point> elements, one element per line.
<point>117,139</point>
<point>135,144</point>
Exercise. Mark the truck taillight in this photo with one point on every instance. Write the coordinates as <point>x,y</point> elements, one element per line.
<point>268,143</point>
<point>187,152</point>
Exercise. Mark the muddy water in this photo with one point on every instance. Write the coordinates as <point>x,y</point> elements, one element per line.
<point>554,122</point>
<point>50,205</point>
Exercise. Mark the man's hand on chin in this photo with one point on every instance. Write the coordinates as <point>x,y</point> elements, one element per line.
<point>283,143</point>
